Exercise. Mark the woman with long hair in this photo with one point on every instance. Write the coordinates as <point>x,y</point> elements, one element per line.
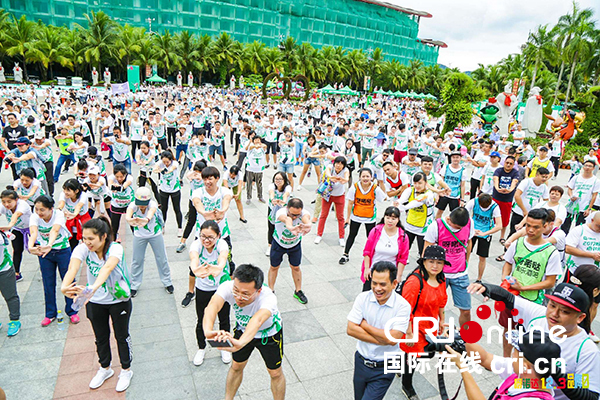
<point>49,240</point>
<point>120,183</point>
<point>587,277</point>
<point>232,181</point>
<point>170,187</point>
<point>146,158</point>
<point>386,242</point>
<point>279,193</point>
<point>109,293</point>
<point>418,202</point>
<point>338,175</point>
<point>74,203</point>
<point>17,213</point>
<point>28,187</point>
<point>311,148</point>
<point>350,154</point>
<point>208,263</point>
<point>362,208</point>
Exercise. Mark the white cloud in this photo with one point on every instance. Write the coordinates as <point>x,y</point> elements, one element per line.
<point>486,31</point>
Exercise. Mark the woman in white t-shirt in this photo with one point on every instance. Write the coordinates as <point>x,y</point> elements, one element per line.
<point>120,183</point>
<point>108,296</point>
<point>338,176</point>
<point>232,181</point>
<point>279,193</point>
<point>136,129</point>
<point>208,263</point>
<point>74,203</point>
<point>169,187</point>
<point>28,187</point>
<point>146,159</point>
<point>17,213</point>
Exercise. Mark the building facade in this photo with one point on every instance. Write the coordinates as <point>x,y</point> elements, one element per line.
<point>351,24</point>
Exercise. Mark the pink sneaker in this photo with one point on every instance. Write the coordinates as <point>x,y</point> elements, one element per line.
<point>74,319</point>
<point>47,321</point>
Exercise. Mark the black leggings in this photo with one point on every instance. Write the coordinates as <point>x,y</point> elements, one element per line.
<point>514,221</point>
<point>164,205</point>
<point>171,133</point>
<point>555,162</point>
<point>18,246</point>
<point>354,227</point>
<point>474,187</point>
<point>119,313</point>
<point>420,242</point>
<point>146,177</point>
<point>202,300</point>
<point>191,220</point>
<point>135,144</point>
<point>270,231</point>
<point>115,219</point>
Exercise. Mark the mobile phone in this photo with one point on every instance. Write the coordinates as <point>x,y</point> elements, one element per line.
<point>216,343</point>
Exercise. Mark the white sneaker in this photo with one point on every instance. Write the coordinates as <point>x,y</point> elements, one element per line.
<point>268,251</point>
<point>124,380</point>
<point>318,239</point>
<point>594,338</point>
<point>199,357</point>
<point>342,242</point>
<point>101,376</point>
<point>299,188</point>
<point>226,357</point>
<point>180,233</point>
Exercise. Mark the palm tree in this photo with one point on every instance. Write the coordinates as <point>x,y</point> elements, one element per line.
<point>254,57</point>
<point>416,79</point>
<point>99,38</point>
<point>21,38</point>
<point>52,48</point>
<point>4,25</point>
<point>166,51</point>
<point>308,60</point>
<point>395,74</point>
<point>579,46</point>
<point>226,52</point>
<point>495,80</point>
<point>592,66</point>
<point>146,54</point>
<point>512,66</point>
<point>187,45</point>
<point>435,77</point>
<point>566,27</point>
<point>288,50</point>
<point>206,61</point>
<point>273,60</point>
<point>540,46</point>
<point>75,49</point>
<point>128,43</point>
<point>356,64</point>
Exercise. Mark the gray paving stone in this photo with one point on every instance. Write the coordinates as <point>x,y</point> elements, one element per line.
<point>163,389</point>
<point>210,379</point>
<point>256,377</point>
<point>333,318</point>
<point>300,326</point>
<point>16,372</point>
<point>31,352</point>
<point>42,390</point>
<point>322,294</point>
<point>159,369</point>
<point>334,386</point>
<point>143,352</point>
<point>37,334</point>
<point>155,334</point>
<point>294,391</point>
<point>424,389</point>
<point>346,344</point>
<point>349,288</point>
<point>316,358</point>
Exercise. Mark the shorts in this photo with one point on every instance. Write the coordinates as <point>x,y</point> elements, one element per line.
<point>215,149</point>
<point>357,147</point>
<point>271,351</point>
<point>235,190</point>
<point>460,297</point>
<point>447,201</point>
<point>311,160</point>
<point>287,168</point>
<point>505,211</point>
<point>483,245</point>
<point>277,252</point>
<point>399,155</point>
<point>271,147</point>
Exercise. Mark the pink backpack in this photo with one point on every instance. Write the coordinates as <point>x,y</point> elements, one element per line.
<point>501,393</point>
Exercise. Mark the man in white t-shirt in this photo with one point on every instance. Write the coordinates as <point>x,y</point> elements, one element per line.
<point>583,191</point>
<point>583,244</point>
<point>529,192</point>
<point>481,159</point>
<point>258,326</point>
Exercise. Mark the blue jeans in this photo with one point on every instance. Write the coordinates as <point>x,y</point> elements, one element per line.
<point>61,160</point>
<point>299,147</point>
<point>126,163</point>
<point>55,259</point>
<point>458,286</point>
<point>181,148</point>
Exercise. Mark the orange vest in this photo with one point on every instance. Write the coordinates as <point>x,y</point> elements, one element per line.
<point>364,204</point>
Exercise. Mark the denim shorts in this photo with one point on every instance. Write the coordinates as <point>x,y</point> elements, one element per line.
<point>462,299</point>
<point>294,254</point>
<point>218,149</point>
<point>311,160</point>
<point>286,168</point>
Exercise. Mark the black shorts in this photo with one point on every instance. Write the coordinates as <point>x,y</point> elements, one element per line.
<point>483,245</point>
<point>294,254</point>
<point>447,201</point>
<point>271,351</point>
<point>357,147</point>
<point>271,147</point>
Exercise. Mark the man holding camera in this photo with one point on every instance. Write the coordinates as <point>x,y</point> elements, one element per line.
<point>566,309</point>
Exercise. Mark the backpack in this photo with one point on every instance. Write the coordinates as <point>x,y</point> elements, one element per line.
<point>401,287</point>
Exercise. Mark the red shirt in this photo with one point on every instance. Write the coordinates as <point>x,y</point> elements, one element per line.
<point>430,302</point>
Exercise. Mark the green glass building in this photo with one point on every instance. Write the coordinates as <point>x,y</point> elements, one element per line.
<point>363,24</point>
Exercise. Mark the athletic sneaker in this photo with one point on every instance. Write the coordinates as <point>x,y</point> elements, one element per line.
<point>262,201</point>
<point>124,380</point>
<point>248,201</point>
<point>180,232</point>
<point>199,357</point>
<point>344,259</point>
<point>594,338</point>
<point>268,251</point>
<point>226,356</point>
<point>299,188</point>
<point>318,239</point>
<point>133,293</point>
<point>101,376</point>
<point>299,295</point>
<point>189,296</point>
<point>74,319</point>
<point>170,289</point>
<point>180,248</point>
<point>47,321</point>
<point>410,393</point>
<point>13,328</point>
<point>342,242</point>
<point>19,277</point>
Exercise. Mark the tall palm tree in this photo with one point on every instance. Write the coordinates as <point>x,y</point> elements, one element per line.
<point>288,50</point>
<point>99,37</point>
<point>512,66</point>
<point>435,77</point>
<point>416,78</point>
<point>146,54</point>
<point>540,46</point>
<point>495,80</point>
<point>21,38</point>
<point>226,53</point>
<point>308,60</point>
<point>579,46</point>
<point>395,74</point>
<point>206,61</point>
<point>187,46</point>
<point>592,66</point>
<point>5,21</point>
<point>52,48</point>
<point>75,49</point>
<point>566,27</point>
<point>166,51</point>
<point>273,60</point>
<point>128,43</point>
<point>254,57</point>
<point>356,64</point>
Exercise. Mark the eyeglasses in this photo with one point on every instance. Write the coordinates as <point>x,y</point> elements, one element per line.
<point>209,238</point>
<point>242,297</point>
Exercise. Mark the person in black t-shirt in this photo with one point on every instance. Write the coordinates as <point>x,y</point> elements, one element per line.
<point>10,134</point>
<point>505,186</point>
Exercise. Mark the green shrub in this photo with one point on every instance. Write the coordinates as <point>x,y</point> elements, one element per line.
<point>581,139</point>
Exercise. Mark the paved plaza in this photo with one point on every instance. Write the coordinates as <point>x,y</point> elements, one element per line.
<point>45,363</point>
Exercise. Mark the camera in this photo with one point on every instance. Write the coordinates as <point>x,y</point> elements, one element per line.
<point>457,345</point>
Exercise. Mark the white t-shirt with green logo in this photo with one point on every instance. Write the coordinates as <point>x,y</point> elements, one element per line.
<point>584,189</point>
<point>256,160</point>
<point>264,300</point>
<point>211,283</point>
<point>44,228</point>
<point>7,261</point>
<point>23,220</point>
<point>531,195</point>
<point>212,203</point>
<point>70,204</point>
<point>153,227</point>
<point>282,234</point>
<point>117,287</point>
<point>23,191</point>
<point>121,199</point>
<point>287,153</point>
<point>169,182</point>
<point>583,238</point>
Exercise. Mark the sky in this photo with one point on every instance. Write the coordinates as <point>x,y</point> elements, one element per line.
<point>486,31</point>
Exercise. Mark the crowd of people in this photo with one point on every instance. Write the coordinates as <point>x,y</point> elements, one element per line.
<point>133,155</point>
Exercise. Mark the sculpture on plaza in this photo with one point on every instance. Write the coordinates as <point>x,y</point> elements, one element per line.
<point>179,79</point>
<point>488,114</point>
<point>94,76</point>
<point>532,117</point>
<point>566,125</point>
<point>18,73</point>
<point>232,82</point>
<point>2,77</point>
<point>241,81</point>
<point>106,76</point>
<point>190,79</point>
<point>506,103</point>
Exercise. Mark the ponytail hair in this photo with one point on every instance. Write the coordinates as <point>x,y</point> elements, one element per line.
<point>101,227</point>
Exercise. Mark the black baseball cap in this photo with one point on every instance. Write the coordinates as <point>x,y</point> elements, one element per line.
<point>23,140</point>
<point>571,296</point>
<point>434,252</point>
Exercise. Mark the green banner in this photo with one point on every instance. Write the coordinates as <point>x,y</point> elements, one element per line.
<point>133,77</point>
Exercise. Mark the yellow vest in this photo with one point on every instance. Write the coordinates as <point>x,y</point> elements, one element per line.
<point>537,164</point>
<point>416,216</point>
